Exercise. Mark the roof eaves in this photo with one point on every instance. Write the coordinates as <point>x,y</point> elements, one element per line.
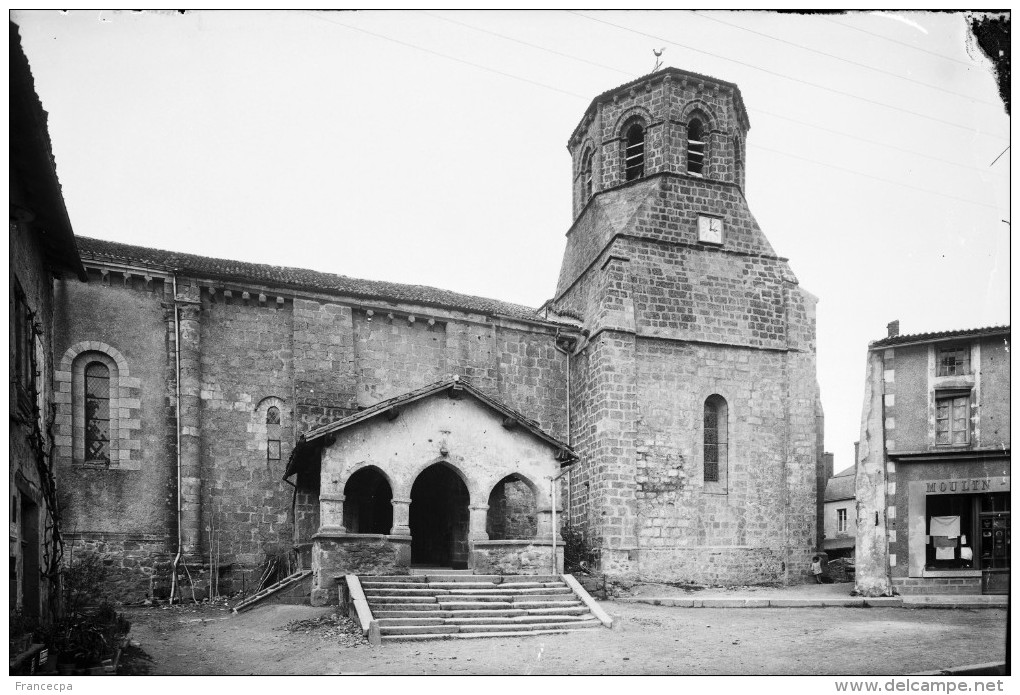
<point>324,431</point>
<point>936,336</point>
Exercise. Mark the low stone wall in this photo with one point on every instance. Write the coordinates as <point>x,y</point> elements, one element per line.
<point>910,586</point>
<point>355,553</point>
<point>706,565</point>
<point>515,557</point>
<point>137,566</point>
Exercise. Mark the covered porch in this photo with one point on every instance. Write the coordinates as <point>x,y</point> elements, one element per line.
<point>441,477</point>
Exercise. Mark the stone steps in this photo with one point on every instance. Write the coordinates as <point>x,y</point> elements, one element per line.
<point>487,613</point>
<point>435,605</point>
<point>549,630</point>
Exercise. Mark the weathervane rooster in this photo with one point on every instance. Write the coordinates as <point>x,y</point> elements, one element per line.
<point>658,53</point>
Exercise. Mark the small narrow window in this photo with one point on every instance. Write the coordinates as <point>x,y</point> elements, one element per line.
<point>97,413</point>
<point>952,419</point>
<point>273,434</point>
<point>634,155</point>
<point>954,360</point>
<point>695,147</point>
<point>840,521</point>
<point>586,176</point>
<point>715,435</point>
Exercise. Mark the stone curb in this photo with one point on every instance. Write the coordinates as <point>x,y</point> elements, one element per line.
<point>848,602</point>
<point>991,668</point>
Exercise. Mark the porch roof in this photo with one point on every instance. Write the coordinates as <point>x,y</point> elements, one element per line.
<point>318,437</point>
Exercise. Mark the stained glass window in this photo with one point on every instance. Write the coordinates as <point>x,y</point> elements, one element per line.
<point>97,413</point>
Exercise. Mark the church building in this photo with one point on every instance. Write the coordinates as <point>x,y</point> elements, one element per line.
<point>238,420</point>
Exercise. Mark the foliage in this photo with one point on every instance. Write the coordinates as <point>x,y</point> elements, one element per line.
<point>580,550</point>
<point>90,627</point>
<point>83,583</point>
<point>87,637</point>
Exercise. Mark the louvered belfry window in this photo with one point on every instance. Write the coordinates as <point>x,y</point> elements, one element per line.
<point>97,413</point>
<point>586,175</point>
<point>635,153</point>
<point>695,147</point>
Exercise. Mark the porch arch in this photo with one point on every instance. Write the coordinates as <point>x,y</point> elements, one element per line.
<point>513,509</point>
<point>368,502</point>
<point>439,517</point>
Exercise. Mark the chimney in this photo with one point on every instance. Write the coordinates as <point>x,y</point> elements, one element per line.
<point>894,328</point>
<point>857,453</point>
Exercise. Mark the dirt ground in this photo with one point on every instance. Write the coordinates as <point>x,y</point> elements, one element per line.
<point>647,640</point>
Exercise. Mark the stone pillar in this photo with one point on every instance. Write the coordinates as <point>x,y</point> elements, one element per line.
<point>331,513</point>
<point>401,517</point>
<point>190,347</point>
<point>872,575</point>
<point>476,527</point>
<point>543,527</point>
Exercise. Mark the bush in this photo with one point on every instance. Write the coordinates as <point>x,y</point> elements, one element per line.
<point>580,550</point>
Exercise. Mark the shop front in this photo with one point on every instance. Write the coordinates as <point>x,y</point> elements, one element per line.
<point>952,534</point>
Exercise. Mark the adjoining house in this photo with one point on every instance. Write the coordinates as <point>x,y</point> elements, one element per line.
<point>933,481</point>
<point>840,515</point>
<point>673,370</point>
<point>42,247</point>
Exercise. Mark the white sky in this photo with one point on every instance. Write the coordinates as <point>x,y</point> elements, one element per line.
<point>424,148</point>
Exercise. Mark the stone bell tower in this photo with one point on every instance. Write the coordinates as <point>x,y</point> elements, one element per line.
<point>694,397</point>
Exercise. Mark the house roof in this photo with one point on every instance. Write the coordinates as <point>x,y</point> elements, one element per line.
<point>940,335</point>
<point>300,278</point>
<point>35,193</point>
<point>842,486</point>
<point>317,437</point>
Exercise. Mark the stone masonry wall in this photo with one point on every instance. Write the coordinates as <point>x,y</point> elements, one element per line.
<point>247,367</point>
<point>323,367</point>
<point>27,270</point>
<point>130,315</point>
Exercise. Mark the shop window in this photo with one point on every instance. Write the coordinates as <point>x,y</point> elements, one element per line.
<point>841,521</point>
<point>695,147</point>
<point>952,419</point>
<point>954,360</point>
<point>715,438</point>
<point>634,154</point>
<point>273,434</point>
<point>967,531</point>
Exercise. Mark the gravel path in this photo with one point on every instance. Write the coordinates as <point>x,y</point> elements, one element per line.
<point>648,640</point>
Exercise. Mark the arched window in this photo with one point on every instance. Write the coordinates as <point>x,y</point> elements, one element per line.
<point>586,176</point>
<point>97,413</point>
<point>695,147</point>
<point>273,434</point>
<point>634,155</point>
<point>99,418</point>
<point>716,439</point>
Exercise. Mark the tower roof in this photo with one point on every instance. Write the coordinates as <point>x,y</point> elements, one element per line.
<point>672,73</point>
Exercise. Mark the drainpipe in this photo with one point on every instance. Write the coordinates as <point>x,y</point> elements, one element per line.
<point>552,480</point>
<point>177,366</point>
